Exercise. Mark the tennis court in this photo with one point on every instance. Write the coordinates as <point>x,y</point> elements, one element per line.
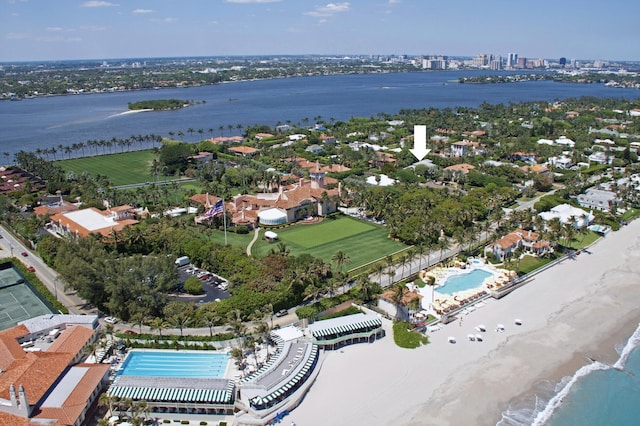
<point>18,301</point>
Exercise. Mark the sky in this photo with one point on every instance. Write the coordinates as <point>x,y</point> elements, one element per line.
<point>38,30</point>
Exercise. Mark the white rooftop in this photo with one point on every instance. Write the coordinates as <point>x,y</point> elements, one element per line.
<point>384,180</point>
<point>90,219</point>
<point>64,387</point>
<point>47,321</point>
<point>288,333</point>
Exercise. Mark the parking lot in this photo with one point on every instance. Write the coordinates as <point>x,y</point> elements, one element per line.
<point>214,286</point>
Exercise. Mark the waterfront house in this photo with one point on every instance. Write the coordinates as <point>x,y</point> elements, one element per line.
<point>597,199</point>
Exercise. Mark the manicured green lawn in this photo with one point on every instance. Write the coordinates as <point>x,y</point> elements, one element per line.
<point>583,241</point>
<point>363,242</point>
<point>124,168</point>
<point>530,263</point>
<point>327,231</point>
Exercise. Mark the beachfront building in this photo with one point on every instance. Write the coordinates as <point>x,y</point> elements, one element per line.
<point>597,199</point>
<point>347,330</point>
<point>41,381</point>
<point>528,241</point>
<point>399,309</point>
<point>569,214</point>
<point>281,383</point>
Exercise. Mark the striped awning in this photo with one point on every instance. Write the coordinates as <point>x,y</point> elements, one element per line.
<point>211,396</point>
<point>348,328</point>
<point>284,389</point>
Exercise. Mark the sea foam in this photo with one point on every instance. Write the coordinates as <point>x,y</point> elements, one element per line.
<point>548,397</point>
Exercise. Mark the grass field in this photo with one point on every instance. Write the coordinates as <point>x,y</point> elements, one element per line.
<point>363,242</point>
<point>123,169</point>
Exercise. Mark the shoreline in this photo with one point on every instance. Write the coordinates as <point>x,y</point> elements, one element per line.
<point>578,309</point>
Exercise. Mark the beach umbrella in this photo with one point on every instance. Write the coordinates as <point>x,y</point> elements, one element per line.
<point>500,327</point>
<point>518,321</point>
<point>481,327</point>
<point>471,337</point>
<point>479,337</point>
<point>451,339</point>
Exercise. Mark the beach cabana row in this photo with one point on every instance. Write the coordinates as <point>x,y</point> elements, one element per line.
<point>267,366</point>
<point>268,400</point>
<point>214,396</point>
<point>371,323</point>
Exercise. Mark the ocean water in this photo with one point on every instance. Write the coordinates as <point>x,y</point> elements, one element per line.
<point>596,395</point>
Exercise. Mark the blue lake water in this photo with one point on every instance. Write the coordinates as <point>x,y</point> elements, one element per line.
<point>175,364</point>
<point>464,281</point>
<point>65,120</point>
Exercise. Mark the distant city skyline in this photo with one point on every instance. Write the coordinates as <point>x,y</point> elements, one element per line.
<point>32,30</point>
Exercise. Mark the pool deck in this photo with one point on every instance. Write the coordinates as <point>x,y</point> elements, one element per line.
<point>445,303</point>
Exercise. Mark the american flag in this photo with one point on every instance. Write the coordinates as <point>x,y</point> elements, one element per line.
<point>215,210</point>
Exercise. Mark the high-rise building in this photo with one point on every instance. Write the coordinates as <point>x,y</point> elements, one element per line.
<point>512,60</point>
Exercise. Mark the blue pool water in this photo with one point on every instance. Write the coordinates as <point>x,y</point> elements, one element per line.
<point>175,364</point>
<point>462,282</point>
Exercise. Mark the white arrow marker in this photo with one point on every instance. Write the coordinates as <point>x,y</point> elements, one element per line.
<point>420,142</point>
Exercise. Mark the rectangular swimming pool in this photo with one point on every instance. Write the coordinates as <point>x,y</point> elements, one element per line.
<point>464,281</point>
<point>175,364</point>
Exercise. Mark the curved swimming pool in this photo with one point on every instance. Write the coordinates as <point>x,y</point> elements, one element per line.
<point>463,281</point>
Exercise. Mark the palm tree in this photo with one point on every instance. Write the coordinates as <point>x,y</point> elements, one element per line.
<point>431,282</point>
<point>210,319</point>
<point>379,270</point>
<point>340,258</point>
<point>181,320</point>
<point>397,296</point>
<point>139,319</point>
<point>158,324</point>
<point>109,401</point>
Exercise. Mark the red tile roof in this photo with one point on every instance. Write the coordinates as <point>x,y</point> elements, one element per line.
<point>72,340</point>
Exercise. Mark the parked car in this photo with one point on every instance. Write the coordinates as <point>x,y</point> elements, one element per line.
<point>282,313</point>
<point>111,320</point>
<point>24,253</point>
<point>130,331</point>
<point>31,269</point>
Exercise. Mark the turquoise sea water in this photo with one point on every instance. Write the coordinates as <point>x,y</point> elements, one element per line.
<point>462,282</point>
<point>175,364</point>
<point>596,395</point>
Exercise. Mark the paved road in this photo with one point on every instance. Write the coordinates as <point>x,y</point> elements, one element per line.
<point>12,247</point>
<point>160,182</point>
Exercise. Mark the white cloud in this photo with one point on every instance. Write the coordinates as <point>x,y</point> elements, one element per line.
<point>18,36</point>
<point>330,9</point>
<point>163,20</point>
<point>58,38</point>
<point>92,28</point>
<point>252,1</point>
<point>54,29</point>
<point>395,1</point>
<point>141,11</point>
<point>97,3</point>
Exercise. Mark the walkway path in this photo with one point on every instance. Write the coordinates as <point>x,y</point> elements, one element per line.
<point>256,234</point>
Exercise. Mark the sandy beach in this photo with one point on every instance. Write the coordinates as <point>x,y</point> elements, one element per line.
<point>576,310</point>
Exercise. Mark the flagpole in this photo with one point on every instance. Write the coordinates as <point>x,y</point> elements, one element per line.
<point>224,218</point>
